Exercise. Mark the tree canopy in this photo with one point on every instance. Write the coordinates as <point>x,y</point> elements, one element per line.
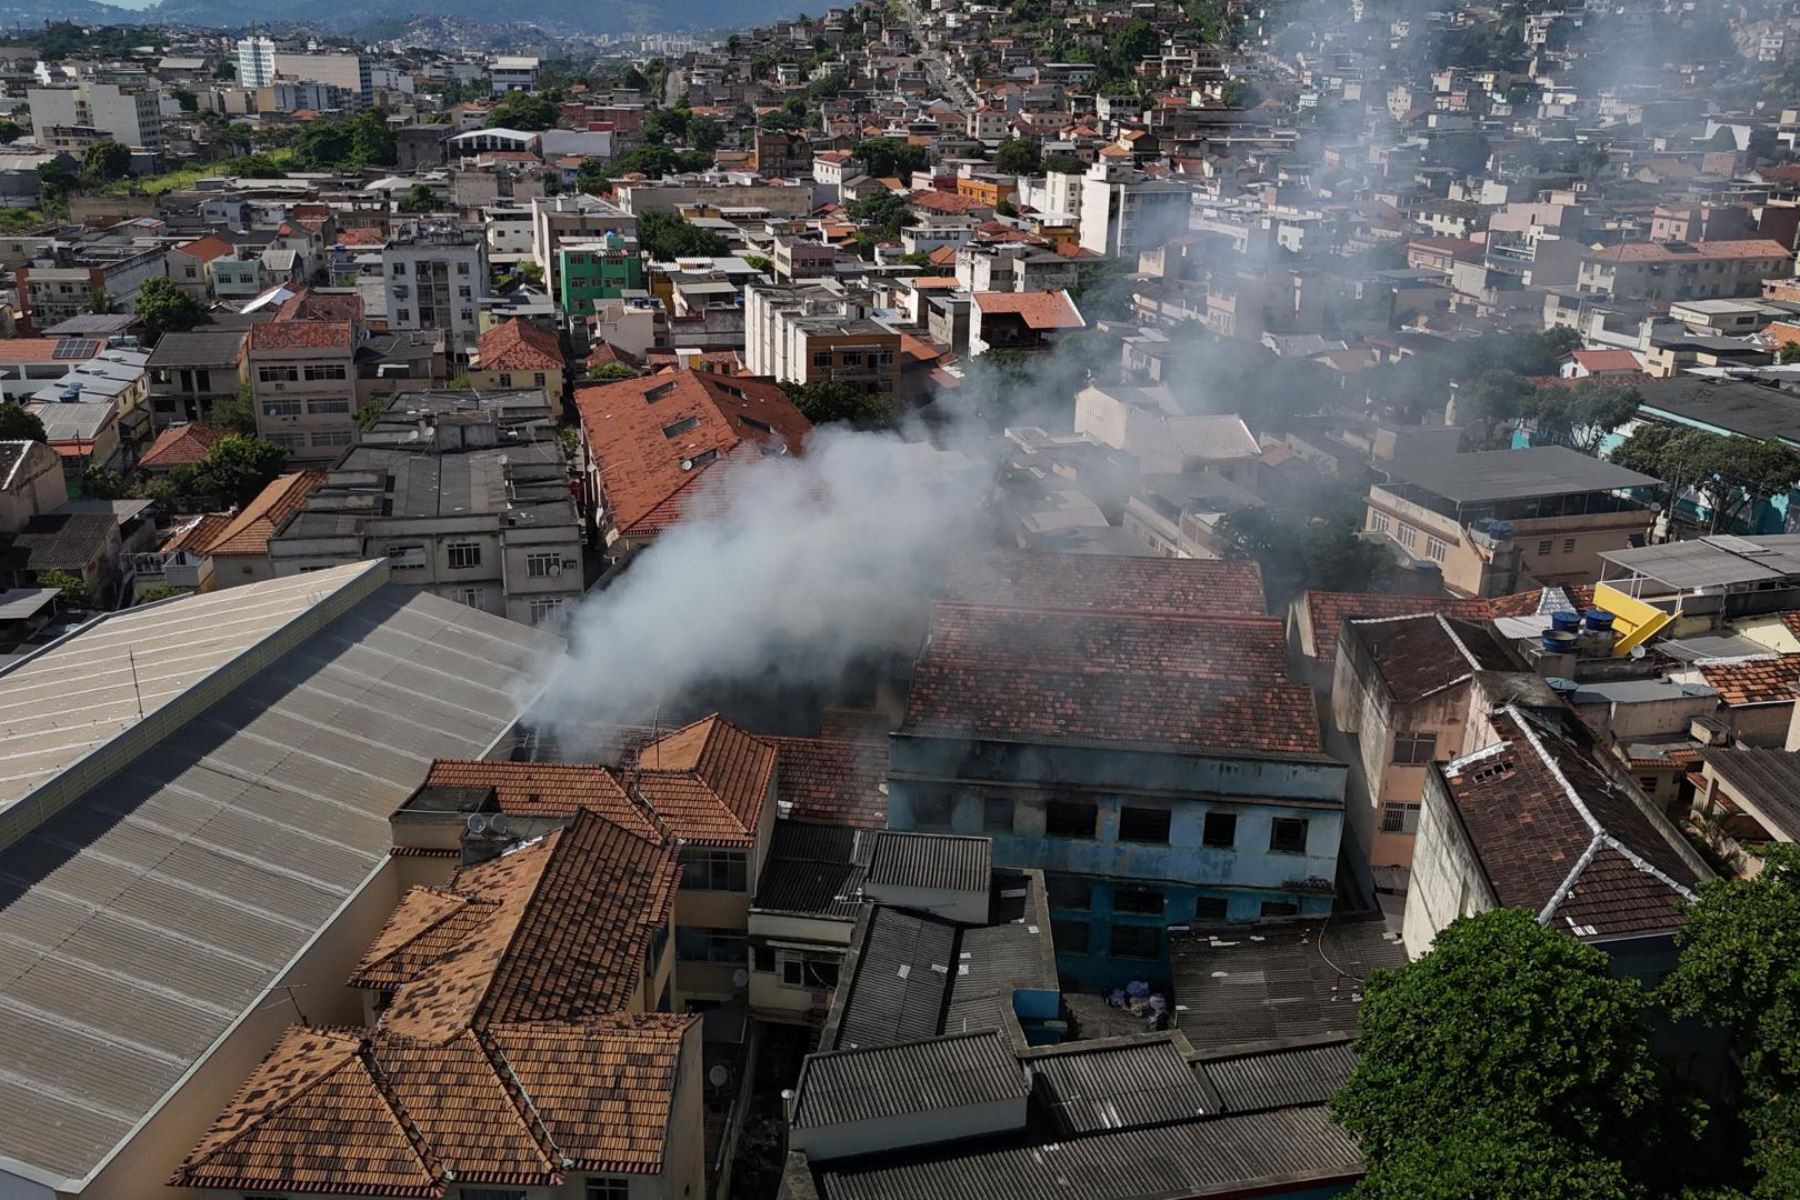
<point>833,401</point>
<point>888,157</point>
<point>884,213</point>
<point>665,236</point>
<point>164,308</point>
<point>1740,970</point>
<point>1016,156</point>
<point>20,424</point>
<point>105,162</point>
<point>236,468</point>
<point>1296,551</point>
<point>526,111</point>
<point>1509,1061</point>
<point>1731,475</point>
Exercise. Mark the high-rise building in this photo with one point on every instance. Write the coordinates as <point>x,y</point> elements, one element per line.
<point>131,116</point>
<point>256,61</point>
<point>435,275</point>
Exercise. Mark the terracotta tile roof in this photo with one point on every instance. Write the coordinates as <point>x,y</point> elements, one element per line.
<point>1551,829</point>
<point>427,924</point>
<point>248,533</point>
<point>1774,680</point>
<point>833,781</point>
<point>641,431</point>
<point>1607,360</point>
<point>1039,310</point>
<point>197,534</point>
<point>1724,248</point>
<point>180,445</point>
<point>516,345</point>
<point>1790,621</point>
<point>1568,598</point>
<point>37,350</point>
<point>355,1112</point>
<point>302,335</point>
<point>709,781</point>
<point>1190,683</point>
<point>1324,613</point>
<point>356,236</point>
<point>309,305</point>
<point>1421,654</point>
<point>1108,584</point>
<point>206,248</point>
<point>549,790</point>
<point>572,920</point>
<point>951,203</point>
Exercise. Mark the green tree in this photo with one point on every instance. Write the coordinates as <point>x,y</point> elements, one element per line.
<point>1065,164</point>
<point>1016,156</point>
<point>372,140</point>
<point>236,468</point>
<point>651,160</point>
<point>886,158</point>
<point>1136,42</point>
<point>1789,353</point>
<point>72,590</point>
<point>236,413</point>
<point>833,401</point>
<point>611,372</point>
<point>99,301</point>
<point>186,99</point>
<point>1006,208</point>
<point>667,125</point>
<point>165,308</point>
<point>705,134</point>
<point>10,132</point>
<point>1509,1061</point>
<point>885,214</point>
<point>1581,416</point>
<point>1732,475</point>
<point>102,483</point>
<point>418,199</point>
<point>1740,971</point>
<point>529,111</point>
<point>1297,552</point>
<point>665,236</point>
<point>105,162</point>
<point>163,591</point>
<point>20,424</point>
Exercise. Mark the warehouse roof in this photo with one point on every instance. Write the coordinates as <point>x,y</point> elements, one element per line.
<point>1514,474</point>
<point>154,894</point>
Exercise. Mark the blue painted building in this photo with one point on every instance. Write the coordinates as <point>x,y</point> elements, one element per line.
<point>1161,768</point>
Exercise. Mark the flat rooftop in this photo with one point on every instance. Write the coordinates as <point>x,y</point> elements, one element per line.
<point>1725,406</point>
<point>1514,474</point>
<point>1712,562</point>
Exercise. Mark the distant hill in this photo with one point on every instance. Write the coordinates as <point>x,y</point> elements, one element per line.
<point>585,16</point>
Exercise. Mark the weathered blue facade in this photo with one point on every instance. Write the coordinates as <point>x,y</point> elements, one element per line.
<point>1123,835</point>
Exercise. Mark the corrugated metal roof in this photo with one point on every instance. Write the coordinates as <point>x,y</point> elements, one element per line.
<point>1284,1078</point>
<point>871,1084</point>
<point>931,860</point>
<point>139,921</point>
<point>899,984</point>
<point>1119,1086</point>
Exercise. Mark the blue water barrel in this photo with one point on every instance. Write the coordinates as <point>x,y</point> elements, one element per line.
<point>1599,620</point>
<point>1567,622</point>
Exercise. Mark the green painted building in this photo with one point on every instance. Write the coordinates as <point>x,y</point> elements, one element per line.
<point>601,268</point>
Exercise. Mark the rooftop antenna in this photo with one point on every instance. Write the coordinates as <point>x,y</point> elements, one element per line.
<point>131,657</point>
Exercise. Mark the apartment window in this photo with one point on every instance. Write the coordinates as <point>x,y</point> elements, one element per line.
<point>1070,818</point>
<point>545,610</point>
<point>996,814</point>
<point>1144,825</point>
<point>1436,549</point>
<point>1287,835</point>
<point>321,407</point>
<point>463,555</point>
<point>1378,522</point>
<point>277,374</point>
<point>281,408</point>
<point>608,1189</point>
<point>821,360</point>
<point>1136,941</point>
<point>1414,749</point>
<point>1568,545</point>
<point>467,597</point>
<point>399,269</point>
<point>505,380</point>
<point>318,371</point>
<point>1143,902</point>
<point>543,566</point>
<point>1210,908</point>
<point>808,972</point>
<point>1400,818</point>
<point>463,293</point>
<point>1280,908</point>
<point>1408,536</point>
<point>333,437</point>
<point>1068,891</point>
<point>709,870</point>
<point>537,378</point>
<point>1545,546</point>
<point>403,315</point>
<point>1071,937</point>
<point>853,358</point>
<point>931,810</point>
<point>462,268</point>
<point>1220,831</point>
<point>711,945</point>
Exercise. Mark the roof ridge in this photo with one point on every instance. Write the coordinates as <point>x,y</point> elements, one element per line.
<point>555,1159</point>
<point>1561,893</point>
<point>1556,772</point>
<point>479,1012</point>
<point>350,1054</point>
<point>415,1137</point>
<point>463,900</point>
<point>1456,639</point>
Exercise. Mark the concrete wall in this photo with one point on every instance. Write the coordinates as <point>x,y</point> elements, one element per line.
<point>1447,881</point>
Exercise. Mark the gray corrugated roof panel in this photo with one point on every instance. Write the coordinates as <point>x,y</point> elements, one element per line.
<point>931,860</point>
<point>899,985</point>
<point>1013,953</point>
<point>813,869</point>
<point>1514,474</point>
<point>18,604</point>
<point>1229,1155</point>
<point>199,348</point>
<point>143,918</point>
<point>876,1083</point>
<point>1119,1084</point>
<point>1767,779</point>
<point>1256,983</point>
<point>1258,1080</point>
<point>1713,561</point>
<point>1729,406</point>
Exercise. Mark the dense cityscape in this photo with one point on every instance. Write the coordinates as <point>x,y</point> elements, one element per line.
<point>939,600</point>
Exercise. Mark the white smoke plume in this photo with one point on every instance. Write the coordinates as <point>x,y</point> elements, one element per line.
<point>804,565</point>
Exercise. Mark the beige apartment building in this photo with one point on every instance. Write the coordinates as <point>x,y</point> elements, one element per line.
<point>1505,520</point>
<point>1683,270</point>
<point>303,384</point>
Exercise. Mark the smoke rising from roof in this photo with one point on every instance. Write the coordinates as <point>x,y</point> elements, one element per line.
<point>794,569</point>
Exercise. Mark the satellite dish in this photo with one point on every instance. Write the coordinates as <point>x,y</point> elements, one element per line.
<point>498,824</point>
<point>740,977</point>
<point>719,1076</point>
<point>555,570</point>
<point>477,823</point>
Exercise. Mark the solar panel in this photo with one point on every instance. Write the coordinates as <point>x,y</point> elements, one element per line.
<point>76,348</point>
